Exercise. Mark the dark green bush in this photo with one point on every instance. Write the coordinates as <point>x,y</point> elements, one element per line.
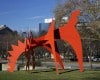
<point>38,63</point>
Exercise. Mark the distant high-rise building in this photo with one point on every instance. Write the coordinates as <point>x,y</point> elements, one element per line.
<point>43,27</point>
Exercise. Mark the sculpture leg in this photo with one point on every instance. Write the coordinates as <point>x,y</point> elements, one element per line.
<point>33,61</point>
<point>28,61</point>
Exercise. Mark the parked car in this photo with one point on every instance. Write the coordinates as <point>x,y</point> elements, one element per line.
<point>96,59</point>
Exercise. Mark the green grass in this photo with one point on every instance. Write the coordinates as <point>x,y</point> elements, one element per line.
<point>50,75</point>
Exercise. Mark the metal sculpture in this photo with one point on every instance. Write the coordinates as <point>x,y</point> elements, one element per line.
<point>68,33</point>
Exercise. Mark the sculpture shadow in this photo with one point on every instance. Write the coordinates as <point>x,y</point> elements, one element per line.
<point>53,69</point>
<point>44,70</point>
<point>68,70</point>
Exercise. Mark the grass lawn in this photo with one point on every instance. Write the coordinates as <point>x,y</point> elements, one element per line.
<point>51,75</point>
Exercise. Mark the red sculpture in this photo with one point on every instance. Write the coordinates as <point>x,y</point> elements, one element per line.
<point>68,33</point>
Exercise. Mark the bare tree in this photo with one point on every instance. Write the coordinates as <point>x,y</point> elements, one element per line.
<point>90,9</point>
